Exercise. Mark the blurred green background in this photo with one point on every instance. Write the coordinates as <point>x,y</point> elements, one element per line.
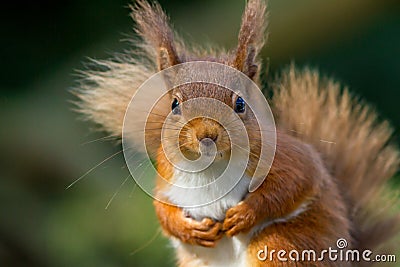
<point>44,147</point>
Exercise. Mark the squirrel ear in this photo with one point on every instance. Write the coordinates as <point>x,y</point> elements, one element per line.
<point>167,58</point>
<point>153,26</point>
<point>251,38</point>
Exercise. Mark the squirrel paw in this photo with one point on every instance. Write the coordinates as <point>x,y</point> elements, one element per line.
<point>240,218</point>
<point>205,233</point>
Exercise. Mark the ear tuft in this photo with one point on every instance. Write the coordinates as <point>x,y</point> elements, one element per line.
<point>251,68</point>
<point>154,27</point>
<point>251,38</point>
<point>167,58</point>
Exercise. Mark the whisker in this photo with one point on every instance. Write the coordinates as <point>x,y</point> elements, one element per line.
<point>163,123</point>
<point>156,153</point>
<point>329,142</point>
<point>170,125</point>
<point>133,188</point>
<point>152,113</point>
<point>153,129</point>
<point>164,128</point>
<point>160,115</point>
<point>299,133</point>
<point>89,171</point>
<point>117,191</point>
<point>106,138</point>
<point>233,135</point>
<point>248,151</point>
<point>294,131</point>
<point>232,121</point>
<point>171,146</point>
<point>151,240</point>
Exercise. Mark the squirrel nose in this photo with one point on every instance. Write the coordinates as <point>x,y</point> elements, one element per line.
<point>207,142</point>
<point>207,139</point>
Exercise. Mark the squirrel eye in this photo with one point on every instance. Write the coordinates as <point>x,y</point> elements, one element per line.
<point>240,105</point>
<point>175,107</point>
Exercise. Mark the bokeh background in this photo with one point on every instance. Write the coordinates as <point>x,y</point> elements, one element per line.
<point>44,147</point>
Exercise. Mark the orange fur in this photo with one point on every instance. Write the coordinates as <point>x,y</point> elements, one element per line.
<point>297,175</point>
<point>356,149</point>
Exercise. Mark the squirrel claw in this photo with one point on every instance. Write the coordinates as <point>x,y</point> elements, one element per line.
<point>240,218</point>
<point>205,233</point>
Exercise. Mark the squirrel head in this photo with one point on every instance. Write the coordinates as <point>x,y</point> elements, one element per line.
<point>168,50</point>
<point>106,93</point>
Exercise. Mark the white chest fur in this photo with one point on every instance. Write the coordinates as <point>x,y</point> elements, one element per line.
<point>202,195</point>
<point>221,195</point>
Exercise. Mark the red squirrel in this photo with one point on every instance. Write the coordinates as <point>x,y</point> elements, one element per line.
<point>326,183</point>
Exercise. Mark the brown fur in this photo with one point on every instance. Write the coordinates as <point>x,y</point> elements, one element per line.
<point>354,145</point>
<point>251,38</point>
<point>297,175</point>
<point>331,150</point>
